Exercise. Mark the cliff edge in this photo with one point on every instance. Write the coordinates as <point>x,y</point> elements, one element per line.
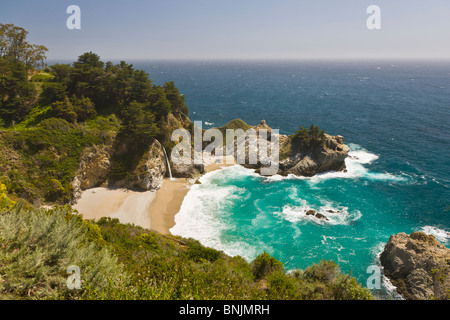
<point>418,265</point>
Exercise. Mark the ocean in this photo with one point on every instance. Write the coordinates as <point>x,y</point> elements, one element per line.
<point>394,116</point>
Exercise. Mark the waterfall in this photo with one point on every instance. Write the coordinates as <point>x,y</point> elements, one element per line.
<point>168,164</point>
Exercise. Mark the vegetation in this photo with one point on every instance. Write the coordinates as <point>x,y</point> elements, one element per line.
<point>37,247</point>
<point>120,261</point>
<point>50,115</point>
<point>309,138</point>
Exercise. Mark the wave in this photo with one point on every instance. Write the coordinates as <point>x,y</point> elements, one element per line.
<point>203,210</point>
<point>328,215</point>
<point>386,284</point>
<point>440,234</point>
<point>355,163</point>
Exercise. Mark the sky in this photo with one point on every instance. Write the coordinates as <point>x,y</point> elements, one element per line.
<point>236,29</point>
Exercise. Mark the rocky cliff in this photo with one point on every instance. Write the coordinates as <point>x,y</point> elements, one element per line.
<point>96,164</point>
<point>418,265</point>
<point>329,155</point>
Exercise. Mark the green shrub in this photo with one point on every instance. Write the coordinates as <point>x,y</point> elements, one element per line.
<point>282,286</point>
<point>264,265</point>
<point>325,271</point>
<point>197,252</point>
<point>37,247</point>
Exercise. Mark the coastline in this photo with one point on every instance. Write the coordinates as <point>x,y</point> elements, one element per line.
<point>154,210</point>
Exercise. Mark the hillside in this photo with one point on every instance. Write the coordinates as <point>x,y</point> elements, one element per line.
<point>120,261</point>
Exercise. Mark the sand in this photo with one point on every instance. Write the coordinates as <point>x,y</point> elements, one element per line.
<point>154,210</point>
<point>125,205</point>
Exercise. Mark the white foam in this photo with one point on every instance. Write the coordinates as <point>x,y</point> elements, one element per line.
<point>334,215</point>
<point>390,289</point>
<point>203,209</point>
<point>354,163</point>
<point>440,234</point>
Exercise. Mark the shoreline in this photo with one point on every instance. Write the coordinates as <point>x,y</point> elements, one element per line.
<point>154,210</point>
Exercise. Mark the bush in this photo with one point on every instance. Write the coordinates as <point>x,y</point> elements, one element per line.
<point>264,265</point>
<point>197,252</point>
<point>37,247</point>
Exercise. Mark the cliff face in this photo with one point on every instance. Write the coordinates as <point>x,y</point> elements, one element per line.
<point>151,170</point>
<point>93,169</point>
<point>418,265</point>
<point>96,164</point>
<point>329,156</point>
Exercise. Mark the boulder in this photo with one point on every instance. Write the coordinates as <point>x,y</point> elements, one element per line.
<point>316,214</point>
<point>418,265</point>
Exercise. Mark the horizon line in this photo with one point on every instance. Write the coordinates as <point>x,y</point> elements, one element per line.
<point>308,59</point>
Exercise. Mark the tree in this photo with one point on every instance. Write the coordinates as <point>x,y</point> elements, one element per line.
<point>85,77</point>
<point>159,104</point>
<point>13,46</point>
<point>17,58</point>
<point>139,124</point>
<point>17,94</point>
<point>64,110</point>
<point>52,92</point>
<point>175,98</point>
<point>61,73</point>
<point>309,138</point>
<point>84,108</point>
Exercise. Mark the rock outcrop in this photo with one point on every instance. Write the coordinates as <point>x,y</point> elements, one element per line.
<point>95,164</point>
<point>418,265</point>
<point>316,214</point>
<point>329,156</point>
<point>152,168</point>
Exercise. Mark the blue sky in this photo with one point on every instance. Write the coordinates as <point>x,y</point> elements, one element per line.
<point>236,29</point>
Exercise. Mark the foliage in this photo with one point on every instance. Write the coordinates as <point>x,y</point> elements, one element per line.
<point>5,201</point>
<point>47,158</point>
<point>322,281</point>
<point>13,46</point>
<point>38,246</point>
<point>17,58</point>
<point>175,98</point>
<point>309,138</point>
<point>264,265</point>
<point>119,261</point>
<point>139,123</point>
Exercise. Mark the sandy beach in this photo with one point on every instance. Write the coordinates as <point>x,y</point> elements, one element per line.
<point>154,210</point>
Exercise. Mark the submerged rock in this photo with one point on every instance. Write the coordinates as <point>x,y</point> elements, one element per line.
<point>316,214</point>
<point>418,265</point>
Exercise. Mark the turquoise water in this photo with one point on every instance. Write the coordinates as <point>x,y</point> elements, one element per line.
<point>394,116</point>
